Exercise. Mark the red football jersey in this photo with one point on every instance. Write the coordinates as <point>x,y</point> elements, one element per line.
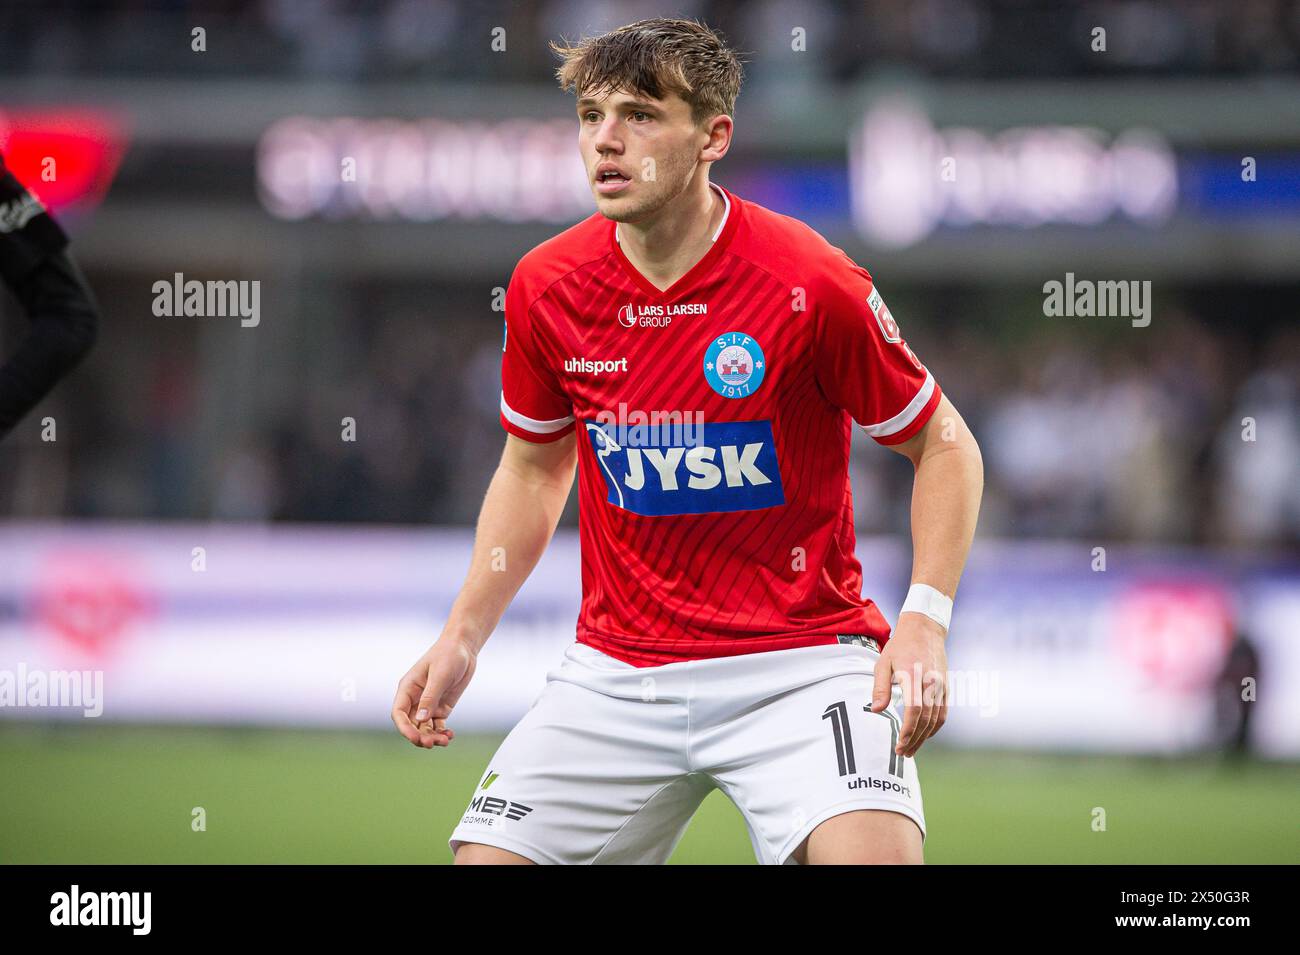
<point>713,430</point>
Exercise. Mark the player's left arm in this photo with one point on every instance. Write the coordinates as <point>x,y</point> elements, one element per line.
<point>864,366</point>
<point>946,491</point>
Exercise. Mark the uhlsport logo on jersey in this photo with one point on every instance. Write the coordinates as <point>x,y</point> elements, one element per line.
<point>733,467</point>
<point>594,366</point>
<point>734,365</point>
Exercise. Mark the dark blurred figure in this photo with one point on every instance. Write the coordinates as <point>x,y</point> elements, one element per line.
<point>35,265</point>
<point>1232,704</point>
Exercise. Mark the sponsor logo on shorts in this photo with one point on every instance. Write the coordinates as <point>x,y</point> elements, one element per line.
<point>733,467</point>
<point>884,785</point>
<point>491,810</point>
<point>488,806</point>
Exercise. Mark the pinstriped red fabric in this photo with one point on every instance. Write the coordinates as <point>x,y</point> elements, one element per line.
<point>733,534</point>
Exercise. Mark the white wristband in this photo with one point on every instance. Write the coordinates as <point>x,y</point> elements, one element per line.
<point>924,599</point>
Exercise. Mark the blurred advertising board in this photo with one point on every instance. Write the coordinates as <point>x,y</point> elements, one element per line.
<point>1053,646</point>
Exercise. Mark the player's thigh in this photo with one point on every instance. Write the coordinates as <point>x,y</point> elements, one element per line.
<point>863,837</point>
<point>586,778</point>
<point>475,853</point>
<point>817,752</point>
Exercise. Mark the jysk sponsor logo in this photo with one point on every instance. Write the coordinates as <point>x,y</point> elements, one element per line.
<point>734,365</point>
<point>732,468</point>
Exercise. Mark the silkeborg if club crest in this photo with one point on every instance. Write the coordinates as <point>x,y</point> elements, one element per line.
<point>734,365</point>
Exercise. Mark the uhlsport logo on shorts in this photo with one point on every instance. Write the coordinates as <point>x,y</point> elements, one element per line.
<point>734,365</point>
<point>732,467</point>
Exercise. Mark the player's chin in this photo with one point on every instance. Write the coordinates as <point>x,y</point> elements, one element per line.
<point>616,206</point>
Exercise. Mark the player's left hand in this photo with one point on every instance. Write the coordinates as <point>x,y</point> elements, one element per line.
<point>915,658</point>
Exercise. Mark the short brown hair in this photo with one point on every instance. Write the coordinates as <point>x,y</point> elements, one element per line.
<point>656,57</point>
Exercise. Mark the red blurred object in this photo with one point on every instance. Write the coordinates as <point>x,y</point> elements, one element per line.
<point>66,157</point>
<point>91,600</point>
<point>1177,634</point>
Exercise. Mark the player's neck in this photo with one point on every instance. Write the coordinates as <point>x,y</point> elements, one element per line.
<point>667,247</point>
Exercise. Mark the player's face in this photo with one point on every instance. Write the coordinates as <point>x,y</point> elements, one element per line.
<point>640,152</point>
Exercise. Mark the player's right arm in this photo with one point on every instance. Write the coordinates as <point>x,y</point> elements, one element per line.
<point>519,515</point>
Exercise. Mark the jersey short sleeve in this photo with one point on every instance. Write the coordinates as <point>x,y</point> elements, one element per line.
<point>533,405</point>
<point>861,361</point>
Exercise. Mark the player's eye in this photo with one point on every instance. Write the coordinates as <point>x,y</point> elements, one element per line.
<point>638,115</point>
<point>586,117</point>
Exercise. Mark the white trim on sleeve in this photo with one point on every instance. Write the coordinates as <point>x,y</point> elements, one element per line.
<point>532,424</point>
<point>900,421</point>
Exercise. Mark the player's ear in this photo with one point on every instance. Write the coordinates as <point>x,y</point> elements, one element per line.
<point>719,130</point>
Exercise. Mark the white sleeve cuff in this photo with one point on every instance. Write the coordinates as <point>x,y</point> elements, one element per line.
<point>533,424</point>
<point>900,421</point>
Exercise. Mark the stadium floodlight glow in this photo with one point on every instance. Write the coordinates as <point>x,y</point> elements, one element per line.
<point>66,157</point>
<point>907,178</point>
<point>422,170</point>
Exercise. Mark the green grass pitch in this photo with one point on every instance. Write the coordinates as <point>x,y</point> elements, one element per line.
<point>107,794</point>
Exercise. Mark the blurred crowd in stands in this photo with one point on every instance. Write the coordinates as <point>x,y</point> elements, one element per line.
<point>1189,434</point>
<point>366,39</point>
<point>1187,431</point>
<point>1184,432</point>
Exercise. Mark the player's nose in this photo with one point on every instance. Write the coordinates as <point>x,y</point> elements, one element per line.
<point>605,139</point>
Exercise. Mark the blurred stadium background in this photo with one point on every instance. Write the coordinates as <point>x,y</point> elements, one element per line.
<point>250,585</point>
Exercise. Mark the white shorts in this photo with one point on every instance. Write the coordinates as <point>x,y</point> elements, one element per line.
<point>611,761</point>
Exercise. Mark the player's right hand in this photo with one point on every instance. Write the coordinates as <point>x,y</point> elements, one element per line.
<point>429,690</point>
